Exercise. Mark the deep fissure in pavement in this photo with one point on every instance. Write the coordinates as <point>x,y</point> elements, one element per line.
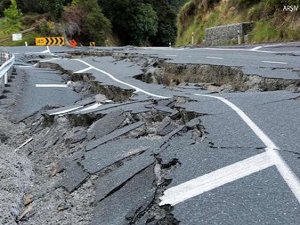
<point>209,77</point>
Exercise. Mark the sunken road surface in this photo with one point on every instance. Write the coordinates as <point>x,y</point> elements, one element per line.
<point>151,136</point>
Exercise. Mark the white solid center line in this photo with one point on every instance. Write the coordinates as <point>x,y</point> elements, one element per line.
<point>216,179</point>
<point>84,70</point>
<point>121,82</point>
<point>212,57</point>
<point>237,170</point>
<point>272,62</point>
<point>51,85</point>
<point>288,175</point>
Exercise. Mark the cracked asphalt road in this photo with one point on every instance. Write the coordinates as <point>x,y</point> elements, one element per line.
<point>158,138</point>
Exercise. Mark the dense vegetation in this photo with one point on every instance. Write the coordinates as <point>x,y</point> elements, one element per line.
<point>271,22</point>
<point>126,22</point>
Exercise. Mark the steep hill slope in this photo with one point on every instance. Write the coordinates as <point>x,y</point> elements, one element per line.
<point>272,22</point>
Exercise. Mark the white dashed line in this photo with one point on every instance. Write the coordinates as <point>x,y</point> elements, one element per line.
<point>170,55</point>
<point>272,62</point>
<point>51,85</point>
<point>254,164</point>
<point>212,57</point>
<point>119,81</point>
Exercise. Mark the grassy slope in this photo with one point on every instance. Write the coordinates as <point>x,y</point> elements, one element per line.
<point>6,35</point>
<point>271,24</point>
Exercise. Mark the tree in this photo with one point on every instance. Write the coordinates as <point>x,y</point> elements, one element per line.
<point>13,17</point>
<point>4,4</point>
<point>143,24</point>
<point>85,21</point>
<point>166,23</point>
<point>54,7</point>
<point>122,12</point>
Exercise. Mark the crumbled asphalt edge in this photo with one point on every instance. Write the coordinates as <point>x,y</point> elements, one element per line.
<point>15,168</point>
<point>53,203</point>
<point>46,203</point>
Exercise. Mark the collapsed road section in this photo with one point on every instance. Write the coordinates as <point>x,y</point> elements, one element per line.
<point>100,140</point>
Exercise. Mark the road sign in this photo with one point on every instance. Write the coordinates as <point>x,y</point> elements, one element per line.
<point>92,44</point>
<point>16,37</point>
<point>43,41</point>
<point>73,43</point>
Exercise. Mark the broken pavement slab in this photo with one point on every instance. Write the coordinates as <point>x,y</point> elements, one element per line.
<point>106,124</point>
<point>113,135</point>
<point>74,177</point>
<point>166,127</point>
<point>106,184</point>
<point>107,154</point>
<point>77,136</point>
<point>139,192</point>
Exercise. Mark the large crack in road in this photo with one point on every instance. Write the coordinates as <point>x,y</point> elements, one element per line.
<point>110,164</point>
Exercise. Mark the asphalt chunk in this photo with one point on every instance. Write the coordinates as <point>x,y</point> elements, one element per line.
<point>74,177</point>
<point>117,208</point>
<point>164,109</point>
<point>133,107</point>
<point>106,125</point>
<point>117,133</point>
<point>106,184</point>
<point>166,127</point>
<point>107,154</point>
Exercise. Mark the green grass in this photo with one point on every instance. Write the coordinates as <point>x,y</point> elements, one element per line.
<point>268,26</point>
<point>29,38</point>
<point>264,31</point>
<point>6,35</point>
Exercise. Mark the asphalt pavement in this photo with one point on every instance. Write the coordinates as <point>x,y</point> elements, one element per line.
<point>242,169</point>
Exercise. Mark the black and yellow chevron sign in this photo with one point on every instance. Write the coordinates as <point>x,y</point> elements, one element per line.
<point>48,41</point>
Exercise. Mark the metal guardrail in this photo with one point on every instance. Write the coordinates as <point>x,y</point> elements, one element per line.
<point>7,60</point>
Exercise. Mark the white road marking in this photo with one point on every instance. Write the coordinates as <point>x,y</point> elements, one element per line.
<point>171,55</point>
<point>25,66</point>
<point>212,57</point>
<point>84,70</point>
<point>162,48</point>
<point>256,48</point>
<point>66,111</point>
<point>49,60</point>
<point>93,106</point>
<point>241,49</point>
<point>25,143</point>
<point>216,179</point>
<point>273,158</point>
<point>121,82</point>
<point>51,85</point>
<point>272,62</point>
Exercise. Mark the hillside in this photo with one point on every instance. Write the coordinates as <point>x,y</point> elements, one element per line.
<point>117,22</point>
<point>271,22</point>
